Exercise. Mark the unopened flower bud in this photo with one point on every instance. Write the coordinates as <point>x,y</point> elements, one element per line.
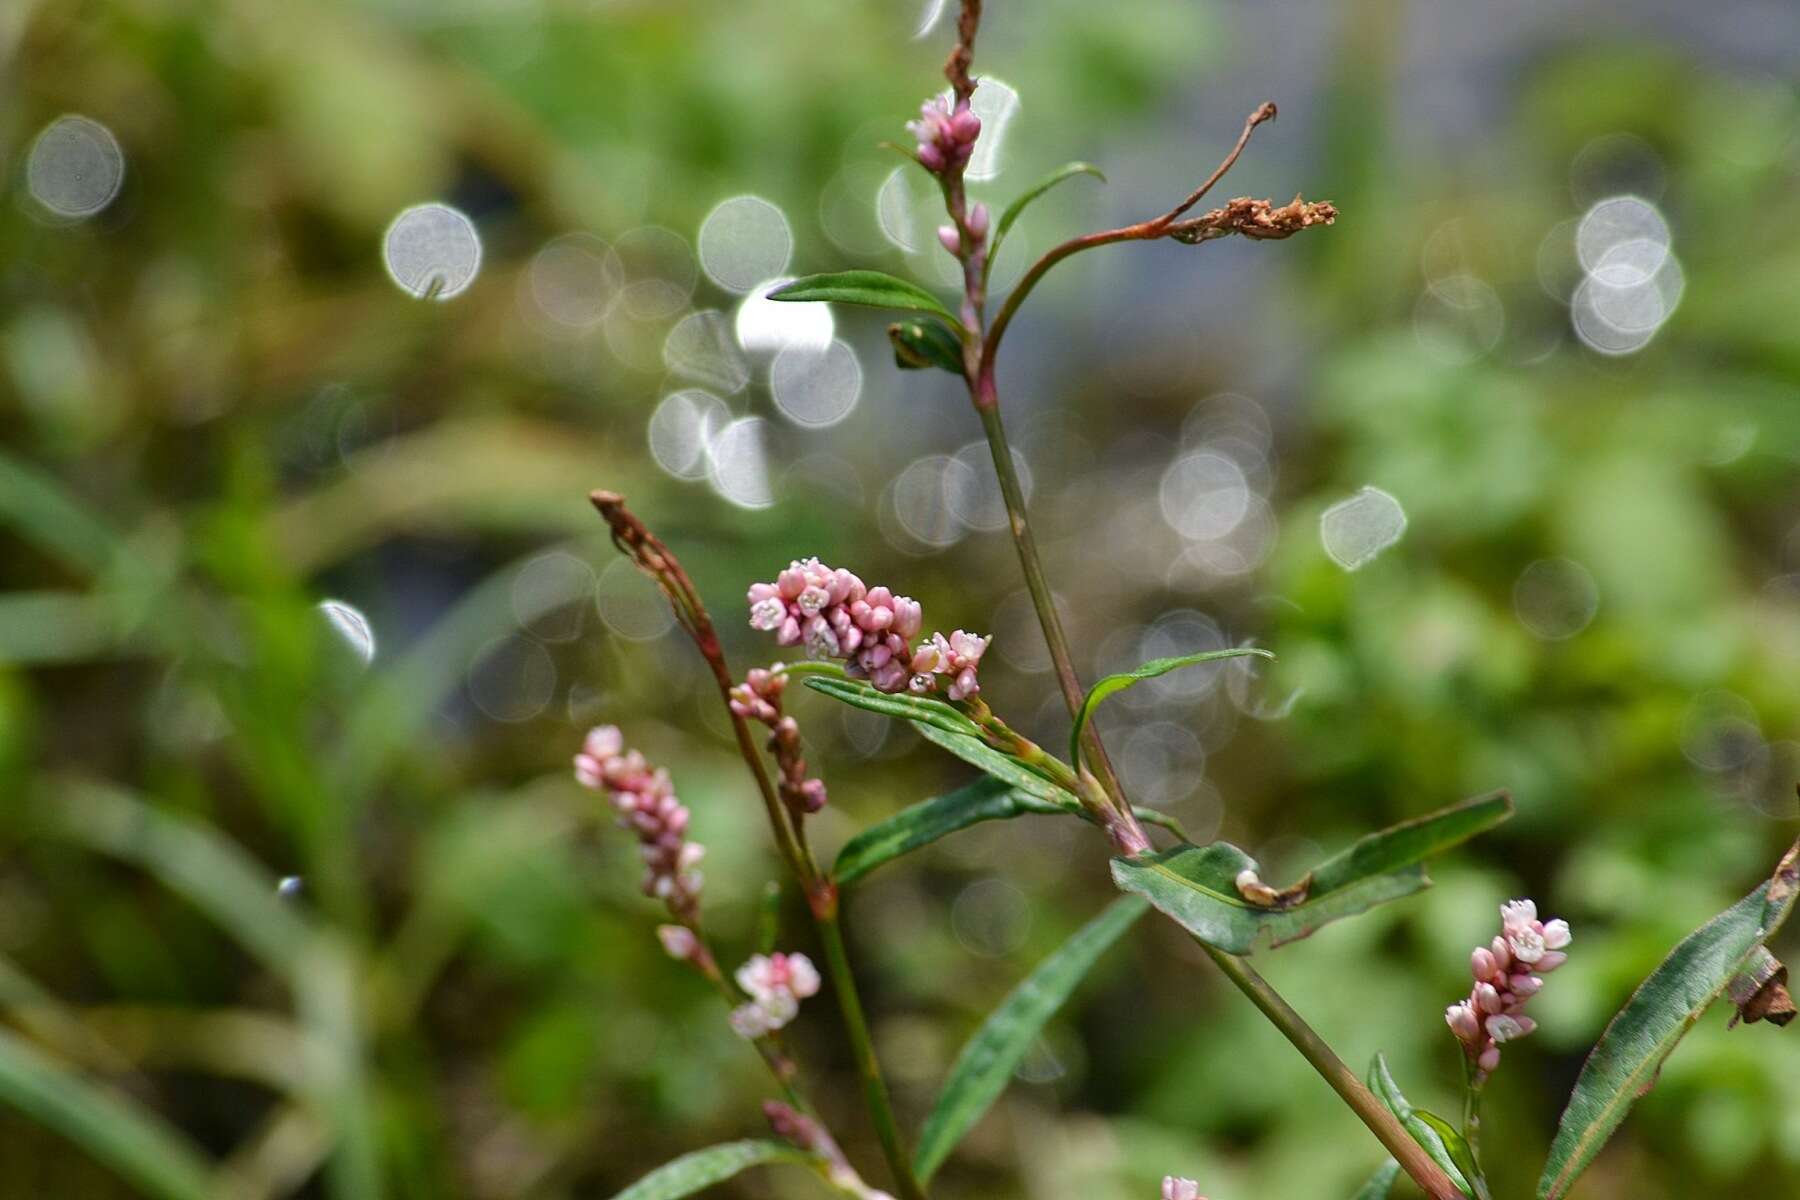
<point>949,239</point>
<point>1551,960</point>
<point>1556,934</point>
<point>1463,1021</point>
<point>678,940</point>
<point>1482,964</point>
<point>1174,1188</point>
<point>977,221</point>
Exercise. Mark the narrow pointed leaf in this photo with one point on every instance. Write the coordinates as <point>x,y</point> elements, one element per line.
<point>902,706</point>
<point>988,1060</point>
<point>978,753</point>
<point>1025,199</point>
<point>1625,1062</point>
<point>700,1170</point>
<point>1461,1153</point>
<point>870,289</point>
<point>1380,1183</point>
<point>987,799</point>
<point>135,1143</point>
<point>1113,684</point>
<point>1197,885</point>
<point>1381,1082</point>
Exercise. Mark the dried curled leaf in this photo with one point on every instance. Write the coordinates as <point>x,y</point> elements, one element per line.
<point>1259,219</point>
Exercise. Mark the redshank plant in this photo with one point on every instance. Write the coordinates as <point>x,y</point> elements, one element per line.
<point>867,647</point>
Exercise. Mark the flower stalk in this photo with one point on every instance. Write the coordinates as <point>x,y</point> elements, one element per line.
<point>786,820</point>
<point>981,349</point>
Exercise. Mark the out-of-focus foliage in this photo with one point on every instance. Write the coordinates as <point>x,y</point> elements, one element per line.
<point>217,412</point>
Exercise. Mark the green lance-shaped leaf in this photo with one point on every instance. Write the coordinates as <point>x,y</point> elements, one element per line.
<point>870,289</point>
<point>1380,1183</point>
<point>1197,885</point>
<point>1424,1132</point>
<point>987,799</point>
<point>1030,194</point>
<point>700,1170</point>
<point>1113,684</point>
<point>921,343</point>
<point>905,707</point>
<point>136,1144</point>
<point>1625,1062</point>
<point>991,1056</point>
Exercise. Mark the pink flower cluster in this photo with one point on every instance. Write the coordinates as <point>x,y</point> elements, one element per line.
<point>775,983</point>
<point>946,135</point>
<point>1508,972</point>
<point>758,698</point>
<point>836,616</point>
<point>646,805</point>
<point>955,657</point>
<point>1176,1188</point>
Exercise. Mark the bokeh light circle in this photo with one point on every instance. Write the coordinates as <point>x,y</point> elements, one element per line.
<point>432,250</point>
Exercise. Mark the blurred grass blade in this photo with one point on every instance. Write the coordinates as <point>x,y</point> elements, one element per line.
<point>700,1170</point>
<point>1197,885</point>
<point>978,753</point>
<point>223,881</point>
<point>1113,684</point>
<point>133,1142</point>
<point>1025,199</point>
<point>988,1060</point>
<point>870,289</point>
<point>36,505</point>
<point>987,799</point>
<point>900,706</point>
<point>1381,1082</point>
<point>1380,1183</point>
<point>1625,1061</point>
<point>193,860</point>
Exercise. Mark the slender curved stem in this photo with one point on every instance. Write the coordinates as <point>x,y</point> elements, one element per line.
<point>655,559</point>
<point>868,1066</point>
<point>1364,1103</point>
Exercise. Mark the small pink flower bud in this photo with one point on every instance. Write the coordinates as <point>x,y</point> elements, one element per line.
<point>965,126</point>
<point>949,239</point>
<point>1502,953</point>
<point>977,221</point>
<point>1487,998</point>
<point>1174,1188</point>
<point>1556,934</point>
<point>1489,1059</point>
<point>1482,964</point>
<point>1551,960</point>
<point>1525,985</point>
<point>678,940</point>
<point>1463,1021</point>
<point>931,157</point>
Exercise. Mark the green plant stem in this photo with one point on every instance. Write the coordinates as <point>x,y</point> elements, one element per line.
<point>1130,834</point>
<point>875,1092</point>
<point>1373,1113</point>
<point>1471,1127</point>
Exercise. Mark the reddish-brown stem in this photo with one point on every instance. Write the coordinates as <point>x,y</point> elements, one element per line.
<point>634,539</point>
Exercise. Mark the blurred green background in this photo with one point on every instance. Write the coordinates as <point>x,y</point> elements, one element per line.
<point>219,411</point>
